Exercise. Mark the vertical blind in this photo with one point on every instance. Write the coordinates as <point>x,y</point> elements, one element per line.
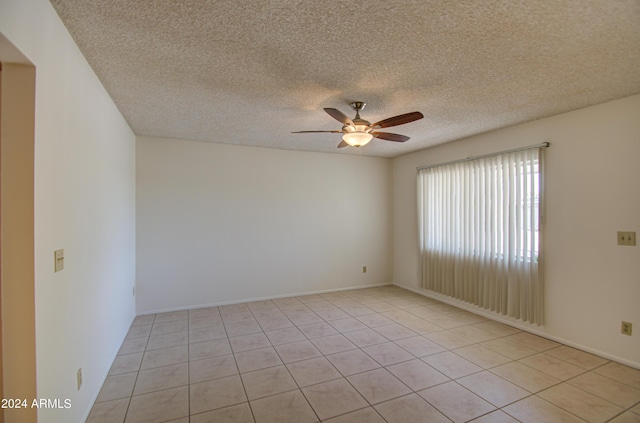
<point>480,232</point>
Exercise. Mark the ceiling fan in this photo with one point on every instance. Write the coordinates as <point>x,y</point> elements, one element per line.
<point>358,132</point>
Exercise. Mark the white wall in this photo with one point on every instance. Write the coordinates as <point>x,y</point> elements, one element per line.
<point>219,223</point>
<point>592,179</point>
<point>84,203</point>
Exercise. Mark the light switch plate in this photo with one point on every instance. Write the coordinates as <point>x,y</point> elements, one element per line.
<point>58,257</point>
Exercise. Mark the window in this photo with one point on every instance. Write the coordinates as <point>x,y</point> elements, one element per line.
<point>480,231</point>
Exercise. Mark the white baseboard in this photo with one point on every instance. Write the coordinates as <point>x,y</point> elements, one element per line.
<point>527,327</point>
<point>271,297</point>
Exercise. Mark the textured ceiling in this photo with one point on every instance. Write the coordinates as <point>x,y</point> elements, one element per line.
<point>250,72</point>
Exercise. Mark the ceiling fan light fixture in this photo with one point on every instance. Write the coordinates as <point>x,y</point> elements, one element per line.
<point>357,139</point>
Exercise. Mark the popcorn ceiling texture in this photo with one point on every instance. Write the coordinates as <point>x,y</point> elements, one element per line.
<point>250,72</point>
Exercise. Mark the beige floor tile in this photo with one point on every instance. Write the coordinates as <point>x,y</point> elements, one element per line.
<point>537,410</point>
<point>446,322</point>
<point>493,389</point>
<point>448,339</point>
<point>317,330</point>
<point>421,326</point>
<point>298,308</point>
<point>473,333</point>
<point>320,305</point>
<point>482,356</point>
<point>145,320</point>
<point>205,322</point>
<point>109,411</point>
<point>274,322</point>
<point>157,342</point>
<point>126,364</point>
<point>304,318</point>
<point>410,408</point>
<point>160,406</point>
<point>198,313</point>
<point>552,366</point>
<point>233,308</point>
<point>332,314</point>
<point>315,370</point>
<point>636,409</point>
<point>394,331</point>
<point>207,349</point>
<point>627,417</point>
<point>534,342</point>
<point>366,415</point>
<point>387,353</point>
<point>171,316</point>
<point>399,316</point>
<point>495,417</point>
<point>253,341</point>
<point>455,402</point>
<point>214,394</point>
<point>525,377</point>
<point>451,365</point>
<point>381,306</point>
<point>212,368</point>
<point>266,382</point>
<point>349,324</point>
<point>577,357</point>
<point>243,328</point>
<point>420,346</point>
<point>117,387</point>
<point>497,328</point>
<point>378,385</point>
<point>621,373</point>
<point>170,327</point>
<point>374,320</point>
<point>257,359</point>
<point>468,317</point>
<point>207,333</point>
<point>241,316</point>
<point>162,378</point>
<point>141,331</point>
<point>240,413</point>
<point>365,337</point>
<point>297,351</point>
<point>581,403</point>
<point>165,357</point>
<point>289,407</point>
<point>352,362</point>
<point>131,346</point>
<point>356,311</point>
<point>285,336</point>
<point>608,389</point>
<point>333,398</point>
<point>417,375</point>
<point>333,344</point>
<point>511,349</point>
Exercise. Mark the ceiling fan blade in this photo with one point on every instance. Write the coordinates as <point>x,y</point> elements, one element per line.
<point>310,132</point>
<point>398,120</point>
<point>390,137</point>
<point>342,144</point>
<point>338,115</point>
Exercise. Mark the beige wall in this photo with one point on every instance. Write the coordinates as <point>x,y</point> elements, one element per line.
<point>592,178</point>
<point>219,223</point>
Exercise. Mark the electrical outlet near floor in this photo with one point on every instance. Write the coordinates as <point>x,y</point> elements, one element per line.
<point>626,328</point>
<point>627,238</point>
<point>79,377</point>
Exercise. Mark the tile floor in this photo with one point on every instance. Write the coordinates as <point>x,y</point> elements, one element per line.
<point>364,356</point>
